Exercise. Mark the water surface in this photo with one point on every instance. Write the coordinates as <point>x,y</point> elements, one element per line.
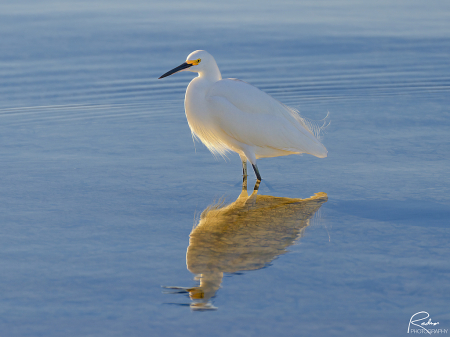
<point>101,184</point>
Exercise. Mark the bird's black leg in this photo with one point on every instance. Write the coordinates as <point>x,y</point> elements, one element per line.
<point>244,174</point>
<point>258,176</point>
<point>244,168</point>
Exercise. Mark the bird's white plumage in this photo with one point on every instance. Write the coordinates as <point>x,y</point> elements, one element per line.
<point>229,114</point>
<point>252,117</point>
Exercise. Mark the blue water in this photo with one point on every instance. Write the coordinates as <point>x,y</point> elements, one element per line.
<point>101,183</point>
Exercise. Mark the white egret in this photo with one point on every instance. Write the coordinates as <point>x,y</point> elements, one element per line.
<point>229,114</point>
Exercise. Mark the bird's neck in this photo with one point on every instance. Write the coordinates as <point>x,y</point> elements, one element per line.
<point>211,74</point>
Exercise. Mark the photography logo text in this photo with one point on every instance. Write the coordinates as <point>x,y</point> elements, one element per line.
<point>421,322</point>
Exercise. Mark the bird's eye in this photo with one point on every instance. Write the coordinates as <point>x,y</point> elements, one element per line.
<point>199,60</point>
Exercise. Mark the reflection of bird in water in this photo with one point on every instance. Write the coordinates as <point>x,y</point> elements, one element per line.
<point>244,235</point>
<point>232,115</point>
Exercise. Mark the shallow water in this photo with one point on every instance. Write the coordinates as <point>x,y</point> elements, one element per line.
<point>101,184</point>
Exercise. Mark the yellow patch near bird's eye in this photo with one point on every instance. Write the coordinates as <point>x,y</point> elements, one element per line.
<point>194,62</point>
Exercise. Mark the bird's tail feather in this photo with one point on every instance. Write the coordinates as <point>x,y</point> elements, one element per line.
<point>317,128</point>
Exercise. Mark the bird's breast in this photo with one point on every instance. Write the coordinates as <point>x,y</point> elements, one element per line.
<point>201,119</point>
<point>195,103</point>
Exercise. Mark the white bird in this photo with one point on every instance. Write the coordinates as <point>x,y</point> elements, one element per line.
<point>229,114</point>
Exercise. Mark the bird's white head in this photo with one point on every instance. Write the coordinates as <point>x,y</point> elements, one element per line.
<point>199,61</point>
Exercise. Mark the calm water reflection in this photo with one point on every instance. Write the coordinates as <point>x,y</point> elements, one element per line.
<point>245,235</point>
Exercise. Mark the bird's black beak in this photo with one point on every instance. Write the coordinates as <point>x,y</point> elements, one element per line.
<point>181,67</point>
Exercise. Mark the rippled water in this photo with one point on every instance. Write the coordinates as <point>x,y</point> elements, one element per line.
<point>101,184</point>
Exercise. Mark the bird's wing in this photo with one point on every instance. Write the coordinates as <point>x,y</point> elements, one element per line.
<point>252,117</point>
